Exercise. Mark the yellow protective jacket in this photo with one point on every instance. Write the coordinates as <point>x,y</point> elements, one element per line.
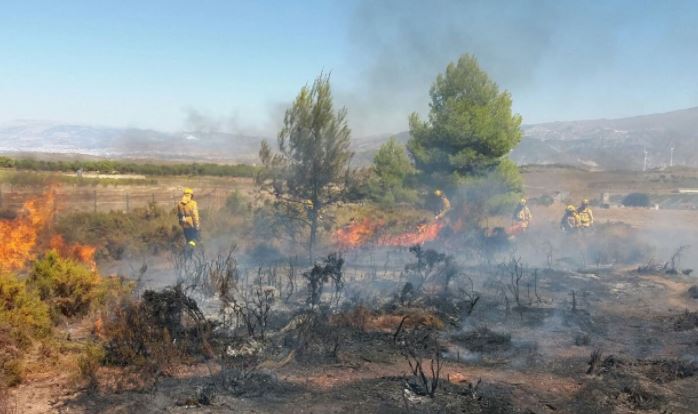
<point>188,213</point>
<point>586,218</point>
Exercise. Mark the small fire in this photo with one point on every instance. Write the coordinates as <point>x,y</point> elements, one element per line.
<point>425,232</point>
<point>80,252</point>
<point>355,234</point>
<point>22,235</point>
<point>359,233</point>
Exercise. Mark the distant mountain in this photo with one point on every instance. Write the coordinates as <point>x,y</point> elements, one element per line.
<point>614,143</point>
<point>601,144</point>
<point>49,137</point>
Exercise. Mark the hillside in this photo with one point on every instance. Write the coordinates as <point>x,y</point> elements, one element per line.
<point>48,137</point>
<point>606,144</point>
<point>614,143</point>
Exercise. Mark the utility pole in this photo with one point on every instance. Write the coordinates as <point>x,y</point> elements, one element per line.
<point>671,157</point>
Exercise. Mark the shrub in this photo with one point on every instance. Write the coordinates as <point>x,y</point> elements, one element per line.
<point>22,317</point>
<point>11,364</point>
<point>636,200</point>
<point>22,311</point>
<point>235,203</point>
<point>88,362</point>
<point>68,286</point>
<point>151,229</point>
<point>156,331</point>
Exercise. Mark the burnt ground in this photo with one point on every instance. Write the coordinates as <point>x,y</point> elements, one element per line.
<point>623,342</point>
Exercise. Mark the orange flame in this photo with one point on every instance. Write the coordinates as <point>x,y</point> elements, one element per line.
<point>355,234</point>
<point>360,233</point>
<point>21,235</point>
<point>425,232</point>
<point>80,252</point>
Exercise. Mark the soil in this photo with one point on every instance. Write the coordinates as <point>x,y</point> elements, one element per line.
<point>526,359</point>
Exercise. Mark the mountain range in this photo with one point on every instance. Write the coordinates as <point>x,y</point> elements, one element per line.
<point>634,143</point>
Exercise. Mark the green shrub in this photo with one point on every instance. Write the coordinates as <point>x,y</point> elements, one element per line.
<point>22,317</point>
<point>637,200</point>
<point>69,287</point>
<point>22,311</point>
<point>11,363</point>
<point>235,203</point>
<point>88,362</point>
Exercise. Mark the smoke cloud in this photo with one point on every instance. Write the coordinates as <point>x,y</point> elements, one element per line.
<point>544,52</point>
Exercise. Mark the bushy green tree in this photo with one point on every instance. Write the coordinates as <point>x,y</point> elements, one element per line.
<point>469,132</point>
<point>391,171</point>
<point>309,171</point>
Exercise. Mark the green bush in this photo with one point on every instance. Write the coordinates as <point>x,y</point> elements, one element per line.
<point>67,286</point>
<point>235,203</point>
<point>11,363</point>
<point>637,200</point>
<point>22,311</point>
<point>88,362</point>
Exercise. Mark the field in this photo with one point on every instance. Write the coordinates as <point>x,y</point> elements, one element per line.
<point>595,322</point>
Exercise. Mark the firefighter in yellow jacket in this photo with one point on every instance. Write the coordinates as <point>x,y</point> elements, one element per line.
<point>444,205</point>
<point>188,214</point>
<point>570,220</point>
<point>522,215</point>
<point>586,218</point>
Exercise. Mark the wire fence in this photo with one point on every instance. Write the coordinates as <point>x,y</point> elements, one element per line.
<point>115,198</point>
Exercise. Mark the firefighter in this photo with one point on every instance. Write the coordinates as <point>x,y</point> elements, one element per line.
<point>570,220</point>
<point>522,215</point>
<point>586,218</point>
<point>445,206</point>
<point>188,214</point>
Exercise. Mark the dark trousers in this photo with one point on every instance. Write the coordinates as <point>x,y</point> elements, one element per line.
<point>190,234</point>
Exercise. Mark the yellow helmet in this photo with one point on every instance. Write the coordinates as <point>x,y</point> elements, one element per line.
<point>188,191</point>
<point>570,208</point>
<point>192,243</point>
<point>522,201</point>
<point>585,202</point>
<point>438,193</point>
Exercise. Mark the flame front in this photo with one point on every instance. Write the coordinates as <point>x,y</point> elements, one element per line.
<point>21,236</point>
<point>425,232</point>
<point>355,234</point>
<point>80,252</point>
<point>360,233</point>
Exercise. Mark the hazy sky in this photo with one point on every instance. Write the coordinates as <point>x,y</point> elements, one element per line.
<point>175,65</point>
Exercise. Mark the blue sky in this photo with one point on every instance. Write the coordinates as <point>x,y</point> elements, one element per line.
<point>173,65</point>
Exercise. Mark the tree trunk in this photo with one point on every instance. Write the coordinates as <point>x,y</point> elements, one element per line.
<point>313,234</point>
